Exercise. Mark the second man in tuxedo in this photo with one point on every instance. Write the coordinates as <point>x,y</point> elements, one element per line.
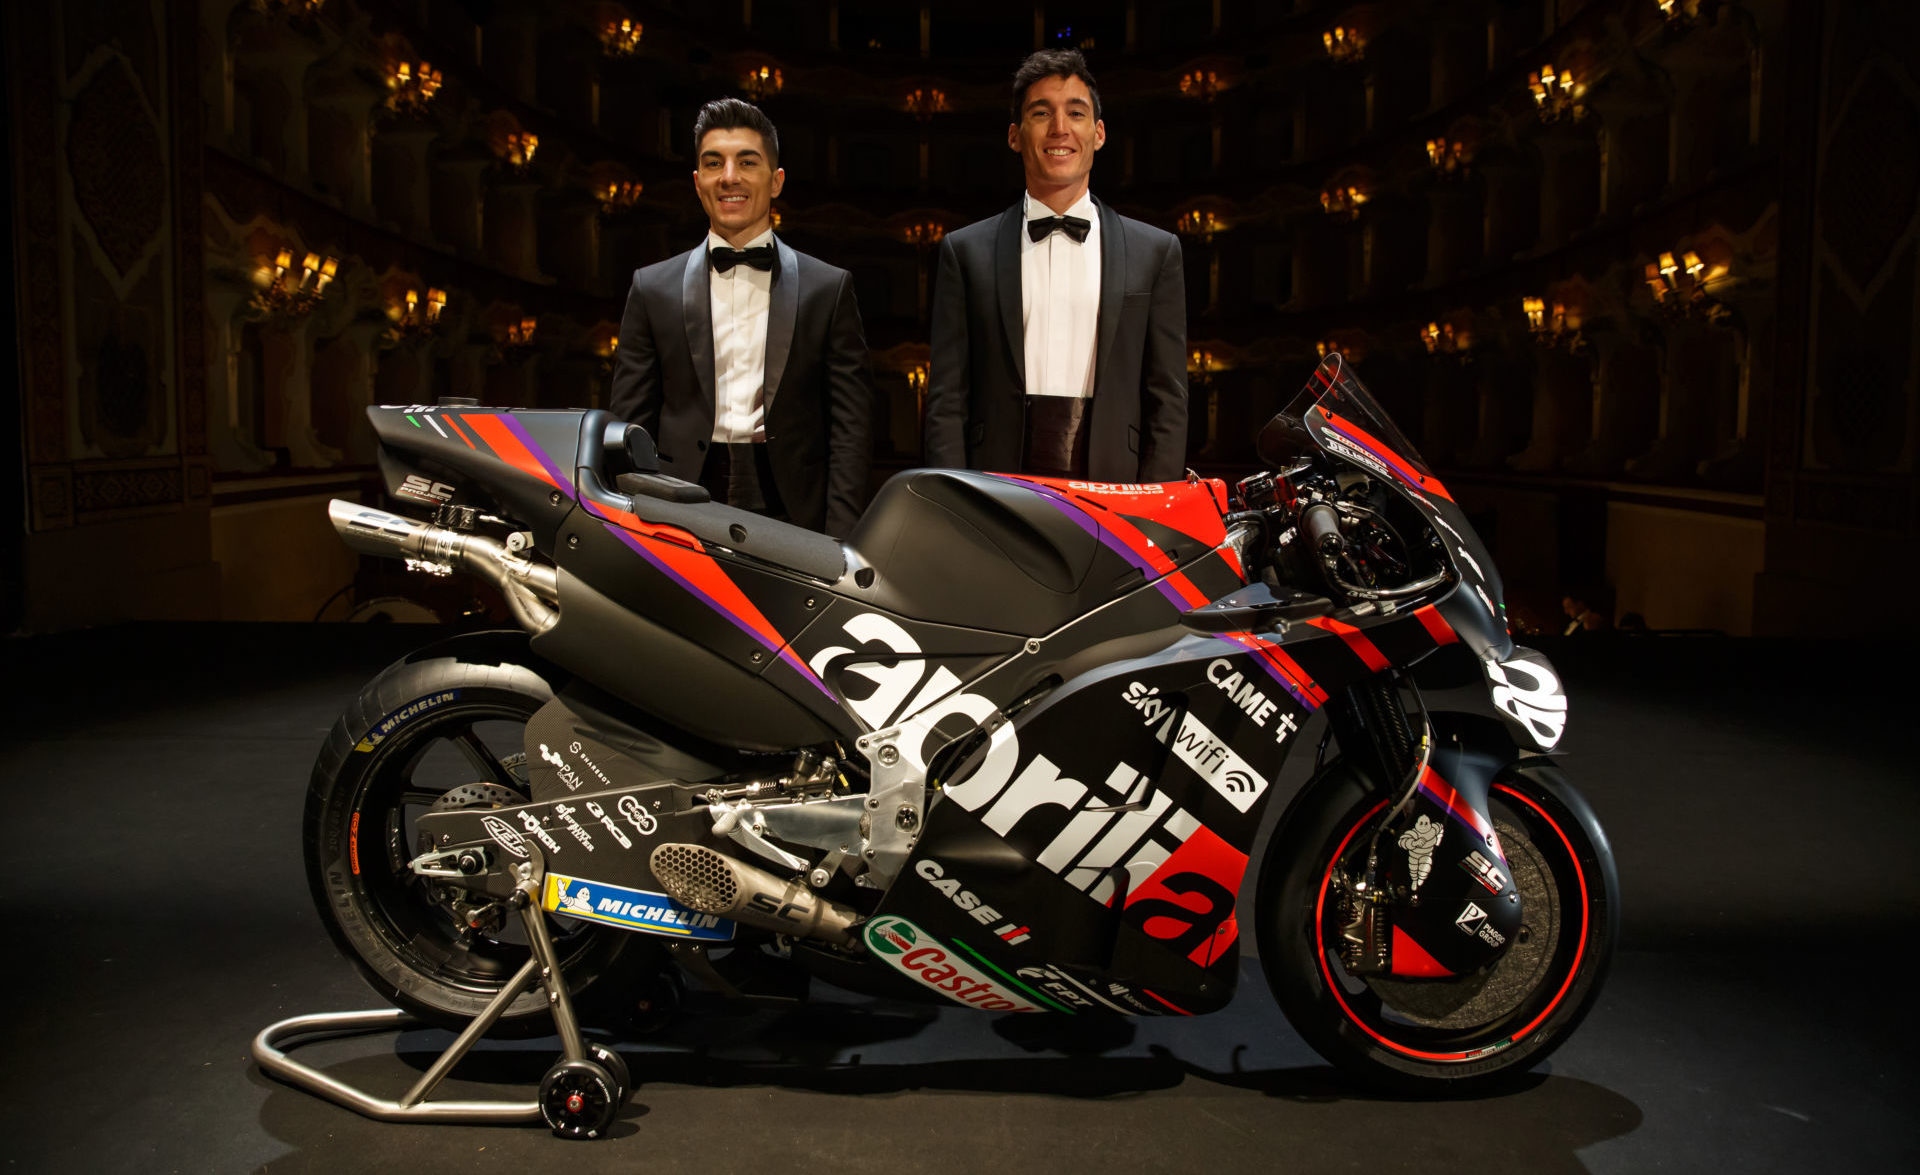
<point>744,358</point>
<point>1059,326</point>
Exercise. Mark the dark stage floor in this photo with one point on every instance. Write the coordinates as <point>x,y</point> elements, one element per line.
<point>1760,798</point>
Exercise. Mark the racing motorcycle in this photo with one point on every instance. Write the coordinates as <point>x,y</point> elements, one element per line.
<point>1007,746</point>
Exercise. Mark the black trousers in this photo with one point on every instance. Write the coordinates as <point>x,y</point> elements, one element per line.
<point>741,476</point>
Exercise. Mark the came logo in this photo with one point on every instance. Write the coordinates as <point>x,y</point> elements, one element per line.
<point>923,959</point>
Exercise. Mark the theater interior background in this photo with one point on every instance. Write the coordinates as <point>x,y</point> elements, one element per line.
<point>1638,277</point>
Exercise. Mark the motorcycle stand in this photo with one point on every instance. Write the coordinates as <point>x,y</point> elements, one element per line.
<point>579,1097</point>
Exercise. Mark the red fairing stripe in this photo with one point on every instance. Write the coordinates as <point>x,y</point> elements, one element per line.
<point>1436,625</point>
<point>1284,668</point>
<point>453,422</point>
<point>1412,959</point>
<point>1378,448</point>
<point>1443,794</point>
<point>510,449</point>
<point>1115,526</point>
<point>633,522</point>
<point>1356,640</point>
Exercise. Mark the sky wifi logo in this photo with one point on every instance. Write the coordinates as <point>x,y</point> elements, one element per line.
<point>1195,744</point>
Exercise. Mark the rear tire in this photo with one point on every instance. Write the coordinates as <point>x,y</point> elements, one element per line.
<point>1416,1037</point>
<point>445,725</point>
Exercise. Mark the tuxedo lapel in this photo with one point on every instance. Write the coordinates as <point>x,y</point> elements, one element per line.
<point>1113,282</point>
<point>1006,278</point>
<point>696,302</point>
<point>782,309</point>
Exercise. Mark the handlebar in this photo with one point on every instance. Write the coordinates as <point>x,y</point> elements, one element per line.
<point>1320,523</point>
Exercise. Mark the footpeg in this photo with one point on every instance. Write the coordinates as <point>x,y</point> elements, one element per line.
<point>714,883</point>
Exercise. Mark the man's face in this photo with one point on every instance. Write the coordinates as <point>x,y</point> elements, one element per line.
<point>1057,133</point>
<point>736,182</point>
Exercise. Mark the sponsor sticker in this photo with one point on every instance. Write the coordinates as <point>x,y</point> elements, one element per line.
<point>613,829</point>
<point>1484,871</point>
<point>1198,747</point>
<point>633,909</point>
<point>967,901</point>
<point>1250,698</point>
<point>1420,841</point>
<point>532,824</point>
<point>565,812</point>
<point>637,815</point>
<point>1470,919</point>
<point>931,963</point>
<point>573,779</point>
<point>504,836</point>
<point>424,489</point>
<point>405,714</point>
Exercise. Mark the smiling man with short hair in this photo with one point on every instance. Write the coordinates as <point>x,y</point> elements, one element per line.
<point>1060,326</point>
<point>743,357</point>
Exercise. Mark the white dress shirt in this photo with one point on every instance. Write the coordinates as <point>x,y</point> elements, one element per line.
<point>739,300</point>
<point>1060,303</point>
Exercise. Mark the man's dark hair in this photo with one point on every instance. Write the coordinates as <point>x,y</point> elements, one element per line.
<point>1051,63</point>
<point>733,114</point>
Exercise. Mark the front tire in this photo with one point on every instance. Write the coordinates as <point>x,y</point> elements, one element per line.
<point>444,726</point>
<point>1419,1037</point>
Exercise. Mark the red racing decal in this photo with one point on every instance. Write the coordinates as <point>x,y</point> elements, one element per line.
<point>1436,625</point>
<point>1442,793</point>
<point>513,450</point>
<point>1360,437</point>
<point>1188,902</point>
<point>1411,959</point>
<point>1282,668</point>
<point>1356,640</point>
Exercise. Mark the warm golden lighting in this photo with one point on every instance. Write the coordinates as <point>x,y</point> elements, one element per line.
<point>286,293</point>
<point>924,104</point>
<point>1555,95</point>
<point>1447,157</point>
<point>620,196</point>
<point>1442,339</point>
<point>620,38</point>
<point>923,235</point>
<point>1685,286</point>
<point>413,316</point>
<point>1680,11</point>
<point>1554,325</point>
<point>1202,362</point>
<point>1343,202</point>
<point>412,86</point>
<point>1199,225</point>
<point>516,150</point>
<point>759,83</point>
<point>1344,44</point>
<point>917,380</point>
<point>1202,84</point>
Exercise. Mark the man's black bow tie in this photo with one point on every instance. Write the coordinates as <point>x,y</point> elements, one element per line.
<point>1073,226</point>
<point>724,258</point>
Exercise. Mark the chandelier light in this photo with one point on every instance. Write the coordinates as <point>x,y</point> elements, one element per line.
<point>1199,225</point>
<point>1683,285</point>
<point>620,38</point>
<point>289,292</point>
<point>1343,202</point>
<point>1555,95</point>
<point>619,196</point>
<point>1344,44</point>
<point>763,82</point>
<point>1200,83</point>
<point>924,104</point>
<point>411,86</point>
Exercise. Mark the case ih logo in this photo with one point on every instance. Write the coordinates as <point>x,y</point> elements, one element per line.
<point>925,960</point>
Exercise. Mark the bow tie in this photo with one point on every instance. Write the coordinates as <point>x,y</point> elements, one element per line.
<point>1074,226</point>
<point>723,258</point>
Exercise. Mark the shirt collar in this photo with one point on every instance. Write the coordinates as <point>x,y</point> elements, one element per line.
<point>716,241</point>
<point>1084,208</point>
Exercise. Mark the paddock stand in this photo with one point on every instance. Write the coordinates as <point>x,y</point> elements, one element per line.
<point>579,1096</point>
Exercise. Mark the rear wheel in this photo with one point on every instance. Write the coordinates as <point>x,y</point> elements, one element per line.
<point>444,728</point>
<point>1451,1036</point>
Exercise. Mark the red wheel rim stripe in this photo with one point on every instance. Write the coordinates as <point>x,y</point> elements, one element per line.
<point>1333,985</point>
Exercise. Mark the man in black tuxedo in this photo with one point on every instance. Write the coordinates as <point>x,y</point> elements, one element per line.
<point>1059,326</point>
<point>745,359</point>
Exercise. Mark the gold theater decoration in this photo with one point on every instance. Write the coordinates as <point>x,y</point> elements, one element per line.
<point>1682,285</point>
<point>924,104</point>
<point>1555,325</point>
<point>1201,84</point>
<point>759,83</point>
<point>1555,96</point>
<point>516,150</point>
<point>1343,203</point>
<point>1344,44</point>
<point>288,293</point>
<point>412,86</point>
<point>620,196</point>
<point>620,38</point>
<point>1199,225</point>
<point>1448,158</point>
<point>415,317</point>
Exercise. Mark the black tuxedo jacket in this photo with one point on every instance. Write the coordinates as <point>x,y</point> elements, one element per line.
<point>976,415</point>
<point>818,396</point>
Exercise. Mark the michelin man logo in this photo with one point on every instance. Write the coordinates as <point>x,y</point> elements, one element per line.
<point>580,901</point>
<point>1420,841</point>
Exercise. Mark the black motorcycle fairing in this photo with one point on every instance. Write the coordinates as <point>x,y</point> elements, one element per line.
<point>575,742</point>
<point>780,544</point>
<point>428,454</point>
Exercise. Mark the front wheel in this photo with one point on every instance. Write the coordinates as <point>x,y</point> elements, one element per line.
<point>1456,1036</point>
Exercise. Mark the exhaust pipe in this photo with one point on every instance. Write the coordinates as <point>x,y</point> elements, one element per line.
<point>531,589</point>
<point>714,883</point>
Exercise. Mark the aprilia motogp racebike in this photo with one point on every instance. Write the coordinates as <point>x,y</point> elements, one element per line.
<point>1007,746</point>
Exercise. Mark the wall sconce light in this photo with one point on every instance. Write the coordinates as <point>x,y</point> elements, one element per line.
<point>1442,339</point>
<point>1555,96</point>
<point>1199,225</point>
<point>513,340</point>
<point>1201,364</point>
<point>1343,202</point>
<point>759,83</point>
<point>415,317</point>
<point>1449,159</point>
<point>412,86</point>
<point>1681,287</point>
<point>917,383</point>
<point>924,104</point>
<point>924,235</point>
<point>778,217</point>
<point>1201,84</point>
<point>1344,44</point>
<point>1555,325</point>
<point>516,150</point>
<point>620,38</point>
<point>1680,11</point>
<point>619,196</point>
<point>287,293</point>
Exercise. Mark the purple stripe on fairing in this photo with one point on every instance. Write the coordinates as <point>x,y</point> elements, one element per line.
<point>564,478</point>
<point>1085,522</point>
<point>784,654</point>
<point>1272,672</point>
